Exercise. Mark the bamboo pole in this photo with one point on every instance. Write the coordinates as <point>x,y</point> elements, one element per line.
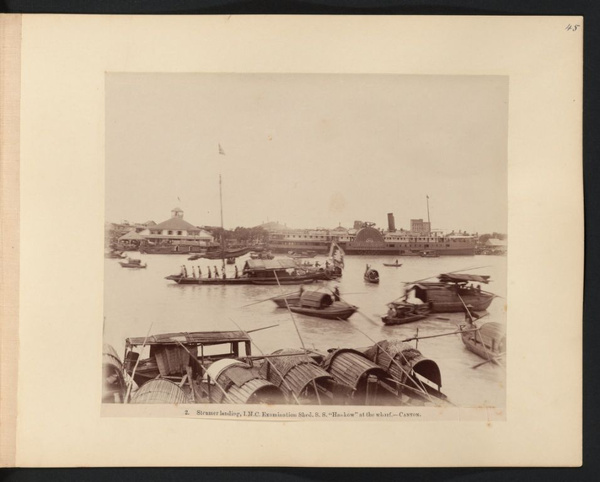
<point>136,365</point>
<point>299,335</point>
<point>393,359</point>
<point>269,362</point>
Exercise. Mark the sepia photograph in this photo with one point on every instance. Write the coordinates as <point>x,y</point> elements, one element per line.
<point>317,240</point>
<point>298,240</point>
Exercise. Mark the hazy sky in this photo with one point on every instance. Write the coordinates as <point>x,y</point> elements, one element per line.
<point>308,150</point>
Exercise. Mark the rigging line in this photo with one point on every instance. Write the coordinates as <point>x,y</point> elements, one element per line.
<point>136,365</point>
<point>267,360</point>
<point>298,332</point>
<point>201,366</point>
<point>393,358</point>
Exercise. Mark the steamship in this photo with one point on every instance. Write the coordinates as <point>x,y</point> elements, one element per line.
<point>366,239</point>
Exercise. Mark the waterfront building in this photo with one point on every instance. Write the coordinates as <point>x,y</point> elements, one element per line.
<point>420,226</point>
<point>370,240</point>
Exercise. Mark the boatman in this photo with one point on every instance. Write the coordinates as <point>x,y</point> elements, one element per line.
<point>336,293</point>
<point>209,273</point>
<point>237,274</point>
<point>216,272</point>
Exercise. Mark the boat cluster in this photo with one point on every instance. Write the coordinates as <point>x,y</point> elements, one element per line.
<point>219,367</point>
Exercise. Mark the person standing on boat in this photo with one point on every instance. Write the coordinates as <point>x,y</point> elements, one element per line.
<point>199,272</point>
<point>336,293</point>
<point>185,273</point>
<point>237,274</point>
<point>209,273</point>
<point>216,272</point>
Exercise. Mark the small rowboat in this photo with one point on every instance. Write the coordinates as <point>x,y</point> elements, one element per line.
<point>133,263</point>
<point>393,265</point>
<point>371,276</point>
<point>402,312</point>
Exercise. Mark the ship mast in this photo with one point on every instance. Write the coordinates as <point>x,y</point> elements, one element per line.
<point>428,220</point>
<point>222,229</point>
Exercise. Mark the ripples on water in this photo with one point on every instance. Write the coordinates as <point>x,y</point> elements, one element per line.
<point>136,299</point>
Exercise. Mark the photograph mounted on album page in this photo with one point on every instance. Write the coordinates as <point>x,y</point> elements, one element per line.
<point>220,225</point>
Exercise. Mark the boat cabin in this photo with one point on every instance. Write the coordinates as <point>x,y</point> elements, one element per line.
<point>171,354</point>
<point>315,299</point>
<point>270,268</point>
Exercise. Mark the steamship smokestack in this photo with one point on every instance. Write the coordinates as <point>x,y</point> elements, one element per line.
<point>391,223</point>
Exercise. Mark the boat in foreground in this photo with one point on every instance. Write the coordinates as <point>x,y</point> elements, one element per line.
<point>218,367</point>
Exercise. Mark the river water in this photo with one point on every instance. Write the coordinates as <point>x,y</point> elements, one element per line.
<point>138,300</point>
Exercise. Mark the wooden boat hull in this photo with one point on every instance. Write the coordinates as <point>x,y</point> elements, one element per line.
<point>330,313</point>
<point>487,342</point>
<point>228,254</point>
<point>287,281</point>
<point>458,306</point>
<point>400,321</point>
<point>442,298</point>
<point>209,281</point>
<point>392,265</point>
<point>175,249</point>
<point>370,280</point>
<point>133,265</point>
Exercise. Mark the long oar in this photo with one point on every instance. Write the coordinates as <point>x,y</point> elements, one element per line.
<point>491,360</point>
<point>263,328</point>
<point>268,299</point>
<point>415,380</point>
<point>299,335</point>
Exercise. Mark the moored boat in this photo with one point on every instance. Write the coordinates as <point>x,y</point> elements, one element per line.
<point>488,340</point>
<point>219,367</point>
<point>113,254</point>
<point>453,292</point>
<point>257,272</point>
<point>133,263</point>
<point>401,312</point>
<point>317,304</point>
